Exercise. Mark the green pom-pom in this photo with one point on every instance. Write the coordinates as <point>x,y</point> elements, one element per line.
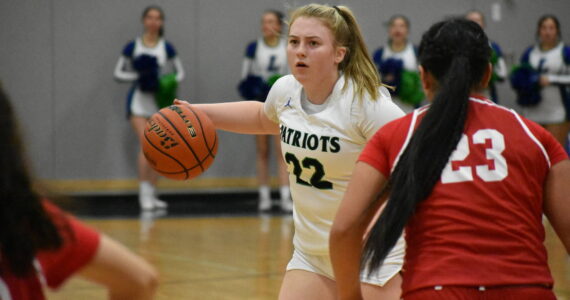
<point>166,93</point>
<point>494,57</point>
<point>410,89</point>
<point>494,61</point>
<point>273,78</point>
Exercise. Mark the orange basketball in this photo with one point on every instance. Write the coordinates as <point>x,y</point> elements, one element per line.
<point>180,142</point>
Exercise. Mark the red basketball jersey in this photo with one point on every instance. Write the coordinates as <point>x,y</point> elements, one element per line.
<point>482,223</point>
<point>52,267</point>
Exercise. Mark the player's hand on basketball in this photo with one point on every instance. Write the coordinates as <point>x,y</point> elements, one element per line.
<point>181,102</point>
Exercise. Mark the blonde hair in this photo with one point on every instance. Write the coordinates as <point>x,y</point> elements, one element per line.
<point>357,64</point>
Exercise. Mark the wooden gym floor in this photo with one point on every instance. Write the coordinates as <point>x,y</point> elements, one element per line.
<point>216,246</point>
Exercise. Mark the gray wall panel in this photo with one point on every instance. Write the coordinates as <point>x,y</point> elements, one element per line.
<point>26,72</point>
<point>90,128</point>
<point>58,63</point>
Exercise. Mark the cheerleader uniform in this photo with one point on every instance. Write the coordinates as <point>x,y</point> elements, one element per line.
<point>266,62</point>
<point>141,103</point>
<point>409,63</point>
<point>554,108</point>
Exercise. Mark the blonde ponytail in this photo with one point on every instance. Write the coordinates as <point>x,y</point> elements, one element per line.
<point>357,64</point>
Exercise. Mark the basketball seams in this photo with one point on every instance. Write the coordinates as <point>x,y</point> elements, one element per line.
<point>182,138</point>
<point>214,146</point>
<point>185,170</point>
<point>203,133</point>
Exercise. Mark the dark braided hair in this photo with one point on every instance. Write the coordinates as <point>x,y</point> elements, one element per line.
<point>456,52</point>
<point>25,225</point>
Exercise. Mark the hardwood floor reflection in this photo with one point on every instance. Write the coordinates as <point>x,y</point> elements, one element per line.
<point>229,257</point>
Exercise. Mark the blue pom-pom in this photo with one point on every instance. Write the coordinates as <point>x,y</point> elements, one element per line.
<point>253,88</point>
<point>147,68</point>
<point>391,70</point>
<point>525,80</point>
<point>566,54</point>
<point>145,63</point>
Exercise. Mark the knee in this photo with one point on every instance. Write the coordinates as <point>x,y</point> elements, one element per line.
<point>149,283</point>
<point>143,287</point>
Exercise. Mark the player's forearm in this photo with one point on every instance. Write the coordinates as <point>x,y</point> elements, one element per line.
<point>240,117</point>
<point>345,251</point>
<point>124,274</point>
<point>122,75</point>
<point>179,69</point>
<point>246,67</point>
<point>501,69</point>
<point>556,205</point>
<point>559,79</point>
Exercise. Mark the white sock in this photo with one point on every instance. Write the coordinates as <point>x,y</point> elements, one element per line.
<point>146,188</point>
<point>146,191</point>
<point>264,192</point>
<point>285,193</point>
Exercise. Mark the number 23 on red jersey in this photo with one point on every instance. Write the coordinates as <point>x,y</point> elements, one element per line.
<point>465,173</point>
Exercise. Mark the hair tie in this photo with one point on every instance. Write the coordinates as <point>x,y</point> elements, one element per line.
<point>339,12</point>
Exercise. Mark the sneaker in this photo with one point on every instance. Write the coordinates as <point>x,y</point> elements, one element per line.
<point>287,205</point>
<point>264,204</point>
<point>146,202</point>
<point>159,203</point>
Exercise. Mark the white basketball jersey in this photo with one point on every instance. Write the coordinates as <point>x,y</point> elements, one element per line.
<point>321,150</point>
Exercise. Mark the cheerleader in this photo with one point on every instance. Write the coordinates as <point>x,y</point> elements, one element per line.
<point>551,58</point>
<point>397,62</point>
<point>142,62</point>
<point>497,60</point>
<point>265,61</point>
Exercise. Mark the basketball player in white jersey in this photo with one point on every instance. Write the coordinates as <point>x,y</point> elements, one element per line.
<point>325,112</point>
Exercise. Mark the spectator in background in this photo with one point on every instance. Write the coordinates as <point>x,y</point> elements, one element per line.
<point>144,63</point>
<point>265,61</point>
<point>42,246</point>
<point>551,59</point>
<point>398,64</point>
<point>497,60</point>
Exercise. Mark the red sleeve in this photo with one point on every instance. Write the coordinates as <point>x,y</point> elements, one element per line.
<point>555,151</point>
<point>79,247</point>
<point>382,149</point>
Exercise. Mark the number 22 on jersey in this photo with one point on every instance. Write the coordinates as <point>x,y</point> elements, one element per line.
<point>465,173</point>
<point>309,163</point>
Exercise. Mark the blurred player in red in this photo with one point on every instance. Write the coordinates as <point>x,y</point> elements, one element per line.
<point>42,246</point>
